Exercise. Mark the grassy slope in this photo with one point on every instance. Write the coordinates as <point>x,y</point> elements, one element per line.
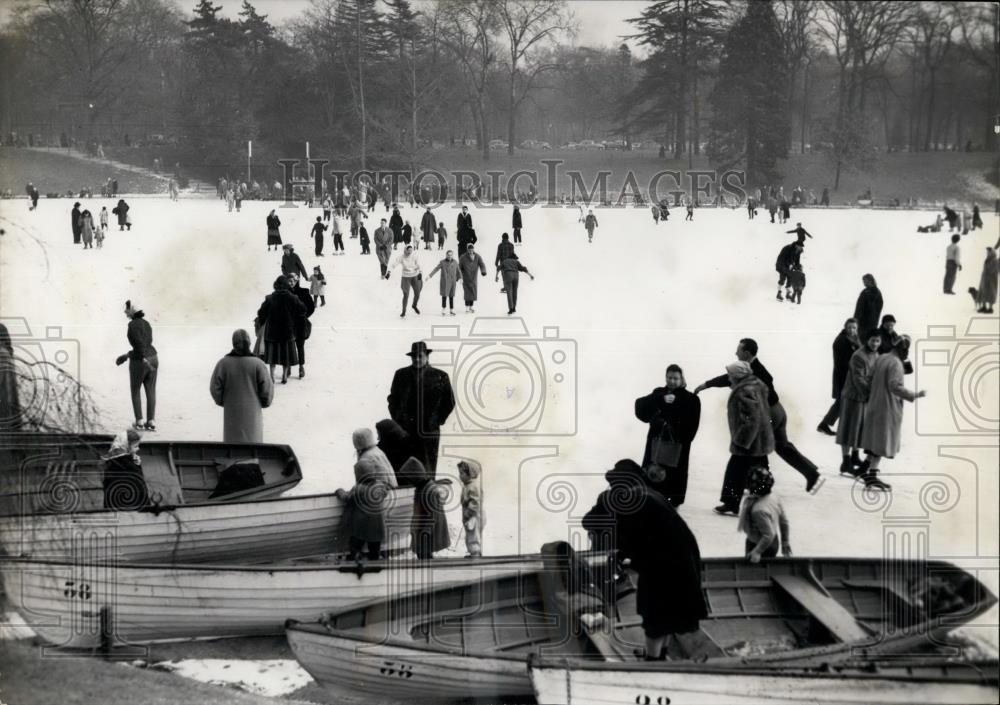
<point>52,172</point>
<point>940,176</point>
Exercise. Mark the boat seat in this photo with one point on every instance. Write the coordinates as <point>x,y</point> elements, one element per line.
<point>823,608</point>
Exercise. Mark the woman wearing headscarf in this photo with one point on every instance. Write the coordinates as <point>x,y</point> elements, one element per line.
<point>87,230</point>
<point>673,413</point>
<point>368,501</point>
<point>396,225</point>
<point>273,234</point>
<point>242,386</point>
<point>645,528</point>
<point>395,443</point>
<point>277,319</point>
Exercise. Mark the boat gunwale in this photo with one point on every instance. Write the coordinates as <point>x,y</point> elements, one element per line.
<point>972,669</point>
<point>922,627</point>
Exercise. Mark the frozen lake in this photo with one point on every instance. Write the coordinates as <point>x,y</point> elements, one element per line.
<point>603,320</point>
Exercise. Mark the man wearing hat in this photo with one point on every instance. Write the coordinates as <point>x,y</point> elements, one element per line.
<point>383,247</point>
<point>291,263</point>
<point>75,222</point>
<point>420,401</point>
<point>887,331</point>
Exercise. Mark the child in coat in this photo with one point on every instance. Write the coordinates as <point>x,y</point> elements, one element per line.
<point>473,516</point>
<point>442,235</point>
<point>317,287</point>
<point>797,282</point>
<point>365,241</point>
<point>762,518</point>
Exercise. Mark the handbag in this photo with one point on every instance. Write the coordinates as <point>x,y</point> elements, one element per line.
<point>666,451</point>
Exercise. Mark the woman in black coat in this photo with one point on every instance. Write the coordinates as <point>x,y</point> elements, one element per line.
<point>303,327</point>
<point>516,224</point>
<point>646,529</point>
<point>273,234</point>
<point>673,412</point>
<point>277,319</point>
<point>396,225</point>
<point>868,309</point>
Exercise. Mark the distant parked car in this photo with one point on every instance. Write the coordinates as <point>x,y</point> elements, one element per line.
<point>498,144</point>
<point>535,144</point>
<point>615,144</point>
<point>570,145</point>
<point>590,144</point>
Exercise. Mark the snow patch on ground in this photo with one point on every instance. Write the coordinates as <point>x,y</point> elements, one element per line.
<point>13,627</point>
<point>270,678</point>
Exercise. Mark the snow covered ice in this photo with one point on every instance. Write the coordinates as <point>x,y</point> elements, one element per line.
<point>639,297</point>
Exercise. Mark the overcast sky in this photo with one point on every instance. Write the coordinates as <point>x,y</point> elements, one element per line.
<point>602,22</point>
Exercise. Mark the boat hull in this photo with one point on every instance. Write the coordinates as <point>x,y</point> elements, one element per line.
<point>602,684</point>
<point>225,532</point>
<point>83,605</point>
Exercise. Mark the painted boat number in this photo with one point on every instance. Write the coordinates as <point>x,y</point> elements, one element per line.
<point>391,668</point>
<point>74,589</point>
<point>646,700</point>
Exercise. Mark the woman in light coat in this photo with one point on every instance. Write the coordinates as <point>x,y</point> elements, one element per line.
<point>988,283</point>
<point>242,386</point>
<point>853,396</point>
<point>368,501</point>
<point>880,434</point>
<point>449,278</point>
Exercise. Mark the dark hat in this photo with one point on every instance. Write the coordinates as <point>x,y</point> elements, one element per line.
<point>888,318</point>
<point>419,347</point>
<point>624,470</point>
<point>76,204</point>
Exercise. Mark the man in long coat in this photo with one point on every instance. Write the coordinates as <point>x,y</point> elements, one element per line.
<point>673,412</point>
<point>75,222</point>
<point>463,229</point>
<point>383,238</point>
<point>880,433</point>
<point>869,305</point>
<point>303,328</point>
<point>469,264</point>
<point>844,346</point>
<point>242,386</point>
<point>644,527</point>
<point>420,401</point>
<point>428,227</point>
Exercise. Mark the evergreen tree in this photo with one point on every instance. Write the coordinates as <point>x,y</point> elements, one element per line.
<point>750,122</point>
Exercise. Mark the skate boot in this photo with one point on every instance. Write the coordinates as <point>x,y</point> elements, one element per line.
<point>779,297</point>
<point>847,467</point>
<point>825,429</point>
<point>873,483</point>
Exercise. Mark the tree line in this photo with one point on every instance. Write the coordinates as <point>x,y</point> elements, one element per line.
<point>381,83</point>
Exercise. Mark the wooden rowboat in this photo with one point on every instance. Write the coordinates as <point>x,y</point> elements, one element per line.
<point>255,531</point>
<point>474,640</point>
<point>89,605</point>
<point>923,680</point>
<point>56,474</point>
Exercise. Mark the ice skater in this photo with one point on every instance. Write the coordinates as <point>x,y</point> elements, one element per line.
<point>396,225</point>
<point>365,241</point>
<point>788,257</point>
<point>853,397</point>
<point>977,219</point>
<point>442,235</point>
<point>844,345</point>
<point>689,204</point>
<point>763,518</point>
<point>800,232</point>
<point>317,287</point>
<point>796,280</point>
<point>142,366</point>
<point>515,223</point>
<point>411,278</point>
<point>273,234</point>
<point>590,222</point>
<point>383,247</point>
<point>449,278</point>
<point>428,228</point>
<point>511,268</point>
<point>986,295</point>
<point>952,264</point>
<point>317,234</point>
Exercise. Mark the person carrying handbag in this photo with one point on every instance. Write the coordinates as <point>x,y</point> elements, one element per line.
<point>673,414</point>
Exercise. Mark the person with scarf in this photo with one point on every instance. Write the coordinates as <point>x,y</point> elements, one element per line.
<point>368,501</point>
<point>473,514</point>
<point>412,278</point>
<point>644,528</point>
<point>449,279</point>
<point>763,519</point>
<point>242,386</point>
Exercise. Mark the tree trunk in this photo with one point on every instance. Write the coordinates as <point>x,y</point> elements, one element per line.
<point>361,94</point>
<point>695,116</point>
<point>681,109</point>
<point>413,102</point>
<point>510,112</point>
<point>805,107</point>
<point>484,131</point>
<point>930,108</point>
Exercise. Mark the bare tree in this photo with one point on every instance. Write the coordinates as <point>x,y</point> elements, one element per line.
<point>930,33</point>
<point>468,29</point>
<point>528,24</point>
<point>795,23</point>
